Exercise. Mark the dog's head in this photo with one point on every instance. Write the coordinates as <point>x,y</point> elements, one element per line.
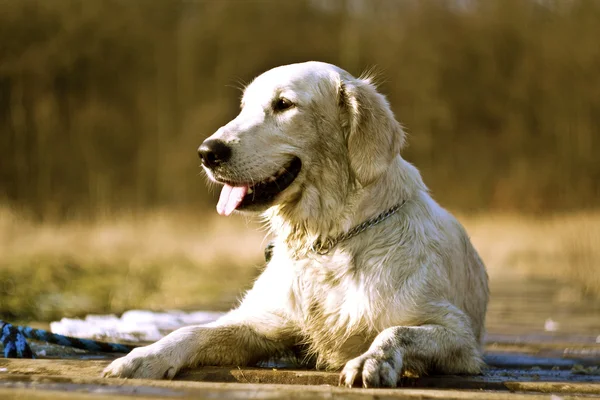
<point>303,130</point>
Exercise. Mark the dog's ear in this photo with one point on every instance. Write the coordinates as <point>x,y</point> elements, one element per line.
<point>374,136</point>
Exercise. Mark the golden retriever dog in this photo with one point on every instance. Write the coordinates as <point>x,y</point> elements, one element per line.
<point>368,275</point>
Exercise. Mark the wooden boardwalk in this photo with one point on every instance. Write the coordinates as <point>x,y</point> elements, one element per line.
<point>550,367</point>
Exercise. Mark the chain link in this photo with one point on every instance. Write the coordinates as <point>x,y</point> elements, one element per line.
<point>324,247</point>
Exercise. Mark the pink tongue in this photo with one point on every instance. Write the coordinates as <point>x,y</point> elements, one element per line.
<point>230,199</point>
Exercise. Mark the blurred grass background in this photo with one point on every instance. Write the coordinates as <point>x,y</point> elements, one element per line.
<point>104,102</point>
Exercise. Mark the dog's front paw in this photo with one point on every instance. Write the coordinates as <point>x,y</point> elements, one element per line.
<point>373,369</point>
<point>142,363</point>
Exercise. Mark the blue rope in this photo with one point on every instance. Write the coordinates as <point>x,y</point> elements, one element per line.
<point>14,342</point>
<point>14,338</point>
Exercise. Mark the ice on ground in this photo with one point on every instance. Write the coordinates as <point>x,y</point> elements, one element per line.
<point>133,326</point>
<point>551,326</point>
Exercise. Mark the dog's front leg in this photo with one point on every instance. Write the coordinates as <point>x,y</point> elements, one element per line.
<point>228,343</point>
<point>257,329</point>
<point>416,349</point>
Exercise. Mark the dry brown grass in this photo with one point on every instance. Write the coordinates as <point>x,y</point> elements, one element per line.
<point>160,261</point>
<point>565,247</point>
<point>167,260</point>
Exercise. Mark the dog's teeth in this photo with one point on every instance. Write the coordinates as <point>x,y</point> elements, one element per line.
<point>272,179</point>
<point>250,190</point>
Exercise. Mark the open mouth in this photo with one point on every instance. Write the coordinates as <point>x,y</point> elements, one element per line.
<point>239,196</point>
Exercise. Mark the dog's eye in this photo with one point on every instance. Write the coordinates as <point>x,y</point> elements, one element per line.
<point>282,104</point>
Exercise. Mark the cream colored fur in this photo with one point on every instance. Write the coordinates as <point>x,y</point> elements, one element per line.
<point>409,294</point>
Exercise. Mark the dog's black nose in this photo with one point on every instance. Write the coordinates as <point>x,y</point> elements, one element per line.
<point>214,153</point>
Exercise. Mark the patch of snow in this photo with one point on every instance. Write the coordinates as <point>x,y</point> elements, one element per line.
<point>551,326</point>
<point>133,326</point>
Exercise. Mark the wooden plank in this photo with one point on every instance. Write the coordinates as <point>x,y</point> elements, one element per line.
<point>66,388</point>
<point>530,380</point>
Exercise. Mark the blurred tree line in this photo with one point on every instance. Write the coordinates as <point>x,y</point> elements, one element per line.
<point>104,102</point>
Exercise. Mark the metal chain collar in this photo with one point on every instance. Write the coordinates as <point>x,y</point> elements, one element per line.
<point>324,247</point>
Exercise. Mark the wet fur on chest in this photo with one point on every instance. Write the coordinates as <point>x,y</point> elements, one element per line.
<point>335,307</point>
